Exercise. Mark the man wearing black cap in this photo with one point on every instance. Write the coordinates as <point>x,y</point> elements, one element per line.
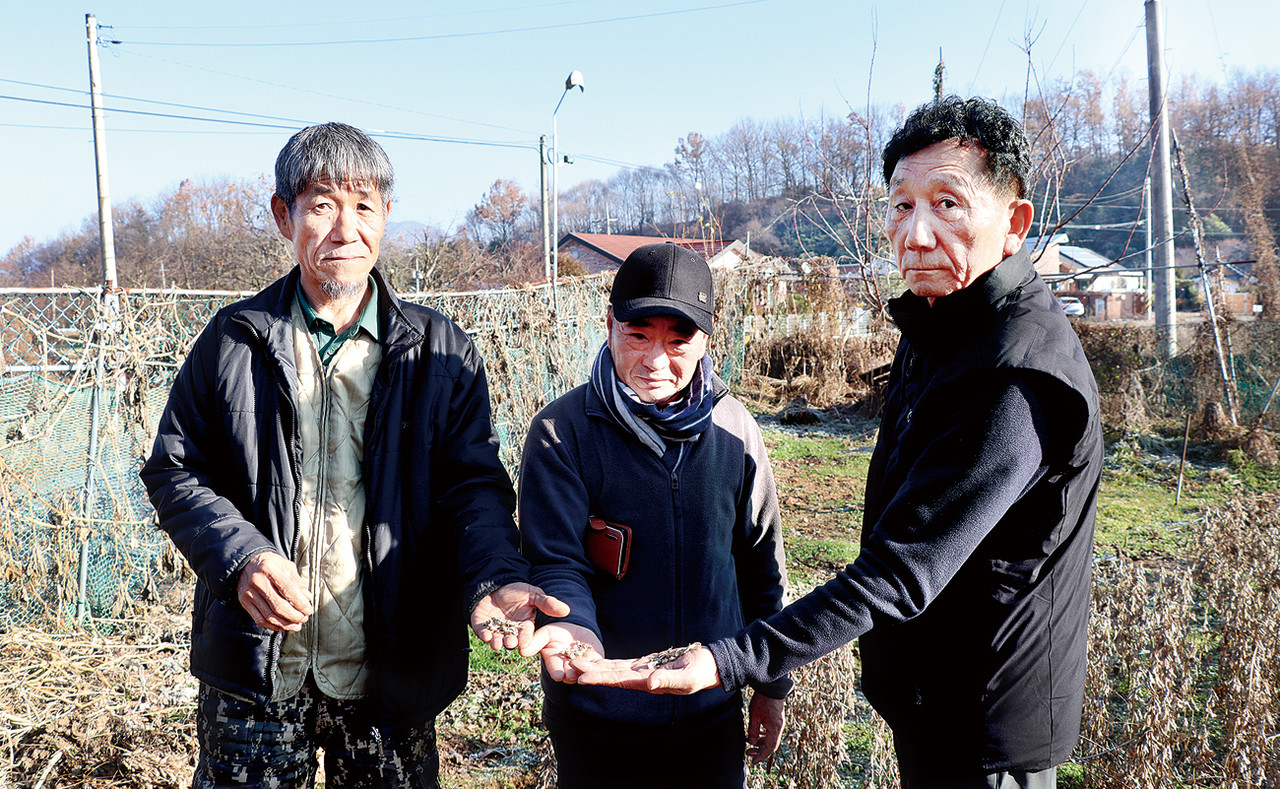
<point>647,504</point>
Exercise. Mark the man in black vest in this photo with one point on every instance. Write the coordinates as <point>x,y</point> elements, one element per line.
<point>971,592</point>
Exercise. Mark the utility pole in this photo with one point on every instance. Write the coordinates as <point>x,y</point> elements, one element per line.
<point>546,218</point>
<point>1161,187</point>
<point>100,161</point>
<point>1146,198</point>
<point>109,306</point>
<point>937,77</point>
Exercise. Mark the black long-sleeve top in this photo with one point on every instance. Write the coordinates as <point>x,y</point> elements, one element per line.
<point>971,589</point>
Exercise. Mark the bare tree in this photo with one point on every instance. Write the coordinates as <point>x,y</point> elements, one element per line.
<point>500,216</point>
<point>216,234</point>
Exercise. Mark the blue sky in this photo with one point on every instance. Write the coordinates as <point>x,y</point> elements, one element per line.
<point>487,74</point>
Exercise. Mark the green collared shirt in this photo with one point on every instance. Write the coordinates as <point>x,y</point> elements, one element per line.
<point>325,334</point>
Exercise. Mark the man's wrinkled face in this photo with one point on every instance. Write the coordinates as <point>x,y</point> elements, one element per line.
<point>336,228</point>
<point>655,356</point>
<point>947,222</point>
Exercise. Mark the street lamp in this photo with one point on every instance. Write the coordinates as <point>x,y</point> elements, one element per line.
<point>574,81</point>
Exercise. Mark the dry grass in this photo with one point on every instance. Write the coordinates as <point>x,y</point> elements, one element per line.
<point>820,360</point>
<point>1182,685</point>
<point>1182,690</point>
<point>815,744</point>
<point>93,711</point>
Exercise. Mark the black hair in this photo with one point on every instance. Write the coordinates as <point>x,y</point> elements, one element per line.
<point>974,121</point>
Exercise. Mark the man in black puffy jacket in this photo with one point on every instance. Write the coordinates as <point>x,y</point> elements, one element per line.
<point>328,466</point>
<point>971,592</point>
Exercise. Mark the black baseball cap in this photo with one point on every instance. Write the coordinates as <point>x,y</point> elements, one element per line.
<point>664,279</point>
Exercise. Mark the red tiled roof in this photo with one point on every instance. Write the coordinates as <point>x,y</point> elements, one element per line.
<point>618,247</point>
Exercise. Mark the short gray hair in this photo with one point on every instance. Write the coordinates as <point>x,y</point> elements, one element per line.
<point>331,152</point>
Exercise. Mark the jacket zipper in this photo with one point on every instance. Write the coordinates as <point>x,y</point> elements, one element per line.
<point>678,562</point>
<point>318,519</point>
<point>908,383</point>
<point>273,647</point>
<point>390,358</point>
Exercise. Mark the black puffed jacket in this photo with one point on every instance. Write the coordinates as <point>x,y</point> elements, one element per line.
<point>971,591</point>
<point>224,478</point>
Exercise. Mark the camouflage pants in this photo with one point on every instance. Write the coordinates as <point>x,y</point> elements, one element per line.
<point>243,744</point>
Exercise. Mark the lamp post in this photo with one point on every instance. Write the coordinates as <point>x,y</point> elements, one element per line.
<point>573,81</point>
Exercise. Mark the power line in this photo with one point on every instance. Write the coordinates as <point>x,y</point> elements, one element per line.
<point>117,130</point>
<point>298,123</point>
<point>1067,36</point>
<point>1139,28</point>
<point>615,162</point>
<point>148,114</point>
<point>295,25</point>
<point>983,59</point>
<point>393,135</point>
<point>439,36</point>
<point>1176,208</point>
<point>365,102</point>
<point>1213,24</point>
<point>1111,226</point>
<point>158,102</point>
<point>1122,193</point>
<point>291,127</point>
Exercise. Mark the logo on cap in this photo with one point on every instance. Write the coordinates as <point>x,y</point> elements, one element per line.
<point>663,279</point>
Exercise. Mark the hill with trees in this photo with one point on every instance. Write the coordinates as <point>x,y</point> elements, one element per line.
<point>793,187</point>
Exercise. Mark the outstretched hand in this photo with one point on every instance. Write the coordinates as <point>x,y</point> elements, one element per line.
<point>503,619</point>
<point>561,642</point>
<point>693,671</point>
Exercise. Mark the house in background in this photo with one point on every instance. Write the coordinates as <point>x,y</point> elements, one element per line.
<point>1044,254</point>
<point>605,251</point>
<point>1228,281</point>
<point>1108,290</point>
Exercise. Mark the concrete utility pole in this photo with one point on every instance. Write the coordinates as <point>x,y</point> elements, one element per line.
<point>100,160</point>
<point>546,218</point>
<point>1147,281</point>
<point>1163,298</point>
<point>110,304</point>
<point>937,77</point>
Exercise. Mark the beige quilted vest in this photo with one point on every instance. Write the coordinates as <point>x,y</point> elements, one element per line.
<point>333,404</point>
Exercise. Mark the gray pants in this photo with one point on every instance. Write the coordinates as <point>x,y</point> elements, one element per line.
<point>1018,779</point>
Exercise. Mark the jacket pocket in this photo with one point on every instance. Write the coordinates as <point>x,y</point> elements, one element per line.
<point>229,651</point>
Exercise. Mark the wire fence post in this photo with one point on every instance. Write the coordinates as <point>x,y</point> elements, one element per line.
<point>91,459</point>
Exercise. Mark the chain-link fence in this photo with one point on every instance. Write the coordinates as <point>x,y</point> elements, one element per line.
<point>85,379</point>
